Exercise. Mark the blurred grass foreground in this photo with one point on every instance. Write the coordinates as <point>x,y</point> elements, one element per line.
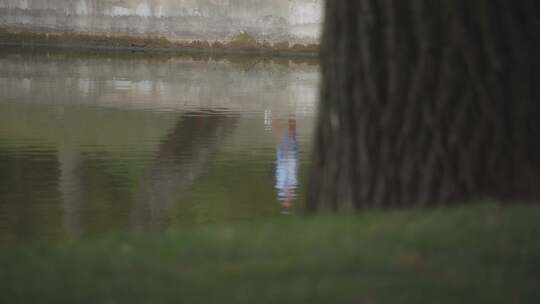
<point>479,254</point>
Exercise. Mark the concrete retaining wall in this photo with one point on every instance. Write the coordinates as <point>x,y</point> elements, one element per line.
<point>295,21</point>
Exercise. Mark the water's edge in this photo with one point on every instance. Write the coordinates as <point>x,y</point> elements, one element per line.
<point>240,44</point>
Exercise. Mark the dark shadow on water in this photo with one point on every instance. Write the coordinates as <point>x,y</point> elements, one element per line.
<point>26,212</point>
<point>181,158</point>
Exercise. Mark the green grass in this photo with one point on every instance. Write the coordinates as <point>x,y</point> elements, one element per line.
<point>479,254</point>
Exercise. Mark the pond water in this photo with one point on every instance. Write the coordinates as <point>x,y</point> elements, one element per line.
<point>92,144</point>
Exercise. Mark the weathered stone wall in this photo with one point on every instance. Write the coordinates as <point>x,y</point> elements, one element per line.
<point>295,21</point>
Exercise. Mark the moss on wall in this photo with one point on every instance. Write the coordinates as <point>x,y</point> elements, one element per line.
<point>241,43</point>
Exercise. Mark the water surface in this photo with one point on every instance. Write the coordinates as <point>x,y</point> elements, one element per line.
<point>92,144</point>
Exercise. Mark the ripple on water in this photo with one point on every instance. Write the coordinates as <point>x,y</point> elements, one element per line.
<point>113,144</point>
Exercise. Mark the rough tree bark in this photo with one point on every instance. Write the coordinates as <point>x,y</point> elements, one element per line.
<point>427,102</point>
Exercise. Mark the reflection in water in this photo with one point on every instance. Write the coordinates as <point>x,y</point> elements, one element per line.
<point>28,195</point>
<point>91,143</point>
<point>287,164</point>
<point>181,158</point>
<point>72,189</point>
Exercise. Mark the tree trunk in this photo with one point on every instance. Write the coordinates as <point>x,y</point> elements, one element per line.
<point>427,102</point>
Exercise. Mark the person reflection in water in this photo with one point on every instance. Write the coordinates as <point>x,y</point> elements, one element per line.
<point>286,163</point>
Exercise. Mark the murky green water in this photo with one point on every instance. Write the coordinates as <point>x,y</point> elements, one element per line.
<point>94,144</point>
